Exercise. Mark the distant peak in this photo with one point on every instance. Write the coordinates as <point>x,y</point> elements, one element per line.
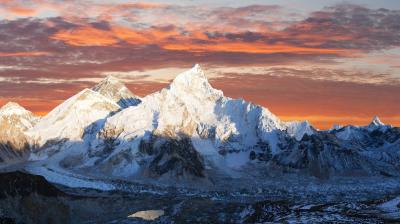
<point>109,82</point>
<point>12,108</point>
<point>376,122</point>
<point>115,90</point>
<point>11,105</point>
<point>110,79</point>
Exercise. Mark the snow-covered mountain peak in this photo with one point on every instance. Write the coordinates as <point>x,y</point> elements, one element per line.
<point>193,82</point>
<point>298,129</point>
<point>115,90</point>
<point>15,117</point>
<point>86,100</point>
<point>12,108</point>
<point>69,119</point>
<point>376,122</point>
<point>111,79</point>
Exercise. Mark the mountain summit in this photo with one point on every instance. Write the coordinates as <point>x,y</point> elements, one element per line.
<point>12,108</point>
<point>116,91</point>
<point>69,120</point>
<point>14,121</point>
<point>194,82</point>
<point>376,122</point>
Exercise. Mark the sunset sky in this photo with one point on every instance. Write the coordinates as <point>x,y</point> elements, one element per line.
<point>326,61</point>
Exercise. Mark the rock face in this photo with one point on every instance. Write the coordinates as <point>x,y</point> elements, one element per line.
<point>173,156</point>
<point>14,121</point>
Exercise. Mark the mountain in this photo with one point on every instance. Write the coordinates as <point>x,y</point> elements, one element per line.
<point>14,121</point>
<point>191,131</point>
<point>115,90</point>
<point>69,120</point>
<point>185,129</point>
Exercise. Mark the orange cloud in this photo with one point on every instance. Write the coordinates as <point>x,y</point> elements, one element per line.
<point>90,36</point>
<point>22,11</point>
<point>193,41</point>
<point>86,36</point>
<point>24,54</point>
<point>138,5</point>
<point>255,48</point>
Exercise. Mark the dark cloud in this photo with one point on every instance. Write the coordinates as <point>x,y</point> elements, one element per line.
<point>350,26</point>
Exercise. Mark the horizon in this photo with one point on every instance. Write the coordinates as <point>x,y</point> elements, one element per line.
<point>330,62</point>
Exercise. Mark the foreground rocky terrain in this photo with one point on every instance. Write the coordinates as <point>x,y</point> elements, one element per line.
<point>27,198</point>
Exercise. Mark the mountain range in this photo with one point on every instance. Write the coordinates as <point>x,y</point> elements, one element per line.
<point>186,131</point>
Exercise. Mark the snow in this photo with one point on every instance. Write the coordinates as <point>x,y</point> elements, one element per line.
<point>298,129</point>
<point>15,114</point>
<point>69,179</point>
<point>376,122</point>
<point>12,108</point>
<point>224,131</point>
<point>346,133</point>
<point>115,90</point>
<point>69,119</point>
<point>191,106</point>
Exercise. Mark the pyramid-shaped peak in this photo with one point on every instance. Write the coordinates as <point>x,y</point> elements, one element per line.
<point>12,108</point>
<point>111,78</point>
<point>192,78</point>
<point>115,90</point>
<point>194,73</point>
<point>11,105</point>
<point>109,83</point>
<point>376,122</point>
<point>193,82</point>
